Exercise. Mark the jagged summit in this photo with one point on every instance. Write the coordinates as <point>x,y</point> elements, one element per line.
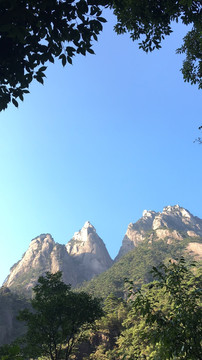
<point>89,250</point>
<point>82,235</point>
<point>148,213</point>
<point>84,256</point>
<point>42,255</point>
<point>88,225</point>
<point>173,222</point>
<point>42,237</point>
<point>178,218</point>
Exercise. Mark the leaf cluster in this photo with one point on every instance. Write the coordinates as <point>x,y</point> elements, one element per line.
<point>35,32</point>
<point>152,20</point>
<point>57,318</point>
<point>161,321</point>
<point>171,306</point>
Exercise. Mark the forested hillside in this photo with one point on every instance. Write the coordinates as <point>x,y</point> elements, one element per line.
<point>137,264</point>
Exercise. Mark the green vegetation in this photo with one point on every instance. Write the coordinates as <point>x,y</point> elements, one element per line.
<point>171,309</point>
<point>57,318</point>
<point>152,20</point>
<point>161,321</point>
<point>11,352</point>
<point>136,266</point>
<point>34,33</point>
<point>157,321</point>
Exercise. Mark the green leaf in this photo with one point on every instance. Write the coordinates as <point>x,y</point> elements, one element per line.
<point>15,102</point>
<point>91,51</point>
<point>101,19</point>
<point>40,79</point>
<point>69,59</point>
<point>43,68</point>
<point>64,60</point>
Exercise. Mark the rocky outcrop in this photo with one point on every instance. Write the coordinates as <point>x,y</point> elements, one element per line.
<point>173,223</point>
<point>178,218</point>
<point>84,256</point>
<point>42,255</point>
<point>195,249</point>
<point>89,252</point>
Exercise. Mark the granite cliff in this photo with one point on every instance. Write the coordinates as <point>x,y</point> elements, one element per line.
<point>174,222</point>
<point>84,256</point>
<point>89,252</point>
<point>155,237</point>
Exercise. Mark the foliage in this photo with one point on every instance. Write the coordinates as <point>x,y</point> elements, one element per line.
<point>35,32</point>
<point>170,309</point>
<point>192,47</point>
<point>161,321</point>
<point>136,266</point>
<point>108,328</point>
<point>153,20</point>
<point>10,352</point>
<point>57,318</point>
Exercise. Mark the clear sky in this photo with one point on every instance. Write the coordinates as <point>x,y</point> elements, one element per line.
<point>102,140</point>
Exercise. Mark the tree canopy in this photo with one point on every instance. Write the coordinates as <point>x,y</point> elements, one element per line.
<point>58,316</point>
<point>169,314</point>
<point>35,32</point>
<point>153,19</point>
<point>161,321</point>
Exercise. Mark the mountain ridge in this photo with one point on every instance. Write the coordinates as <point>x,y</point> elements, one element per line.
<point>174,218</point>
<point>144,245</point>
<point>85,255</point>
<point>76,261</point>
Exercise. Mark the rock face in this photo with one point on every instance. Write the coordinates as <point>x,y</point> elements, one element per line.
<point>174,222</point>
<point>89,252</point>
<point>86,256</point>
<point>42,255</point>
<point>83,257</point>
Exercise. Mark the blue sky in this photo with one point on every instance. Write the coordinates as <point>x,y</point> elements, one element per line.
<point>102,140</point>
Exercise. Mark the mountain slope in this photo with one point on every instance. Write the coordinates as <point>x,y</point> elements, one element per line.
<point>137,264</point>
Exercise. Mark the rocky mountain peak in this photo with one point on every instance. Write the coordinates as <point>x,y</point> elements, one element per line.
<point>88,225</point>
<point>82,235</point>
<point>148,214</point>
<point>89,251</point>
<point>178,218</point>
<point>173,222</point>
<point>84,256</point>
<point>176,210</point>
<point>42,255</point>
